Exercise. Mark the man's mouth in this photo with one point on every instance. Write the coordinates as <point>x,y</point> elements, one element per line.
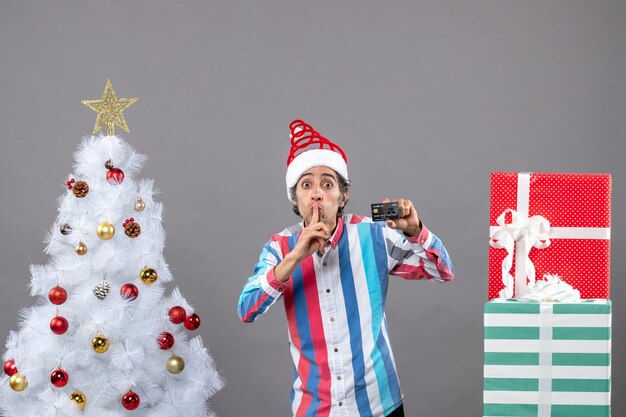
<point>320,212</point>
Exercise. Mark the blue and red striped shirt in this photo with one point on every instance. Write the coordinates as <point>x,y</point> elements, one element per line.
<point>335,306</point>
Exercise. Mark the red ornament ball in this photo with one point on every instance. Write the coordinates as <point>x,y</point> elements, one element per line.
<point>57,295</point>
<point>177,314</point>
<point>10,368</point>
<point>165,340</point>
<point>59,378</point>
<point>115,176</point>
<point>192,322</point>
<point>129,291</point>
<point>59,325</point>
<point>130,401</point>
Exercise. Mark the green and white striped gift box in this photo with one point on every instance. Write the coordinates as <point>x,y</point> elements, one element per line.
<point>547,359</point>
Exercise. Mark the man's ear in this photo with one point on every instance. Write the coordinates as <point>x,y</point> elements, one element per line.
<point>344,198</point>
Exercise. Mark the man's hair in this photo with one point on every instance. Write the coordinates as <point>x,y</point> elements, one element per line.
<point>344,186</point>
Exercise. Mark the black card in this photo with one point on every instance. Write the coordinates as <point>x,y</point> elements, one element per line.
<point>385,211</point>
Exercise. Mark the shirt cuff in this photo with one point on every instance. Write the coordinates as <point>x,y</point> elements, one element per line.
<point>274,283</point>
<point>424,238</point>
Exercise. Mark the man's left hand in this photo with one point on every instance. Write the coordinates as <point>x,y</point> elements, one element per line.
<point>408,222</point>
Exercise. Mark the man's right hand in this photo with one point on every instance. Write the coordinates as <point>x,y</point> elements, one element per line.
<point>312,238</point>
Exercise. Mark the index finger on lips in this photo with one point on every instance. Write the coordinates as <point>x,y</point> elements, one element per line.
<point>315,216</point>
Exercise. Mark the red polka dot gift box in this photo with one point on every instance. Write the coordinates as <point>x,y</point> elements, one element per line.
<point>549,223</point>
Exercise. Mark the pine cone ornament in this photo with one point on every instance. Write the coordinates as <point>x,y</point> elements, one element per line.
<point>79,188</point>
<point>102,290</point>
<point>131,228</point>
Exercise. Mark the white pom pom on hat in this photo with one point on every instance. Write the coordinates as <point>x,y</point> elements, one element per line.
<point>310,149</point>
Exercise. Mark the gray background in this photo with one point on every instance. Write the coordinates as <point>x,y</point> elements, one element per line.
<point>426,97</point>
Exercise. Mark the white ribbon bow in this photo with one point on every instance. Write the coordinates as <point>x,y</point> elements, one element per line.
<point>527,233</point>
<point>550,289</point>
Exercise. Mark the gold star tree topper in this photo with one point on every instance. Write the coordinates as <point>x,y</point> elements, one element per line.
<point>110,110</point>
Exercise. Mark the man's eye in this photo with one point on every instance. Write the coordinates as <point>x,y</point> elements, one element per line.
<point>328,184</point>
<point>306,184</point>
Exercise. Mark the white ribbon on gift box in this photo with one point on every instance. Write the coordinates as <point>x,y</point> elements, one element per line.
<point>525,233</point>
<point>550,289</point>
<point>546,291</point>
<point>544,406</point>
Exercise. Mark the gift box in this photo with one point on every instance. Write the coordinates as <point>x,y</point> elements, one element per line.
<point>547,359</point>
<point>546,223</point>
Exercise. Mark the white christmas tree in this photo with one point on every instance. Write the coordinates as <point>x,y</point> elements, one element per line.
<point>103,339</point>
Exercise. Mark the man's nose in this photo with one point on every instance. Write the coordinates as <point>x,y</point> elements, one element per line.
<point>316,194</point>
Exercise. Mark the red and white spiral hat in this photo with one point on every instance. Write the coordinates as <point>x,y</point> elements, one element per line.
<point>310,149</point>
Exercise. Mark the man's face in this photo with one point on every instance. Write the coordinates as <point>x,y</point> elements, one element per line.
<point>318,189</point>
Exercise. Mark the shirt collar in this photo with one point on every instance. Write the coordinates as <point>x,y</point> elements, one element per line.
<point>334,240</point>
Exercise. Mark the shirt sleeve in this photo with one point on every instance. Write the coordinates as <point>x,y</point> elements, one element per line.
<point>262,289</point>
<point>422,256</point>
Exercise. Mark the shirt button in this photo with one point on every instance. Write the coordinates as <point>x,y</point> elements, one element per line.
<point>327,290</point>
<point>336,350</point>
<point>332,319</point>
<point>340,403</point>
<point>339,378</point>
<point>324,264</point>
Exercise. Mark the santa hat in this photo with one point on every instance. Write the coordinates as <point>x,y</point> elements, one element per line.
<point>310,149</point>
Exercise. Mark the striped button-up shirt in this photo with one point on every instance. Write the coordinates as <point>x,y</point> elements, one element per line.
<point>335,306</point>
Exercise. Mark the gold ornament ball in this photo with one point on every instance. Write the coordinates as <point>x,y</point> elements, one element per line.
<point>79,398</point>
<point>139,204</point>
<point>18,382</point>
<point>81,248</point>
<point>100,344</point>
<point>175,364</point>
<point>148,276</point>
<point>105,231</point>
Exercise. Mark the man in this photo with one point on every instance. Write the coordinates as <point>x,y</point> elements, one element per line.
<point>332,271</point>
